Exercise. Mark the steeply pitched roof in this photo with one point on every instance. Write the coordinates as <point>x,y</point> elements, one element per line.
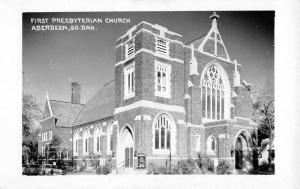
<point>197,42</point>
<point>100,106</point>
<point>65,112</point>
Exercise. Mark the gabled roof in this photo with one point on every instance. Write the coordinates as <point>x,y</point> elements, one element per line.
<point>100,106</point>
<point>65,112</point>
<point>196,42</point>
<point>213,43</point>
<point>47,109</point>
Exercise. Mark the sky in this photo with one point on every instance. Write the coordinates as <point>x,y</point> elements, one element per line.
<point>53,59</point>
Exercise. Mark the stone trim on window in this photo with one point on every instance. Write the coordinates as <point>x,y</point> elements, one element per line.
<point>162,46</point>
<point>109,134</point>
<point>162,77</point>
<point>163,134</point>
<point>98,133</point>
<point>197,143</point>
<point>211,145</point>
<point>75,142</point>
<point>130,48</point>
<point>129,81</point>
<point>85,142</point>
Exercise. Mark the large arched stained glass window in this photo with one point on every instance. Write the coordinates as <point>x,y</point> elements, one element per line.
<point>163,132</point>
<point>212,94</point>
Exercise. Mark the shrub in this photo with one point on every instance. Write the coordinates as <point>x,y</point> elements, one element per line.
<point>205,164</point>
<point>104,169</point>
<point>175,170</point>
<point>265,167</point>
<point>82,167</point>
<point>223,168</point>
<point>99,170</point>
<point>152,168</point>
<point>188,166</point>
<point>210,165</point>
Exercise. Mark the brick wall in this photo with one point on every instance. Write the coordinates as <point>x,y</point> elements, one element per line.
<point>144,73</point>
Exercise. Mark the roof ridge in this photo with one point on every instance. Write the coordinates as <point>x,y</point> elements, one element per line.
<point>65,102</point>
<point>108,82</point>
<point>77,116</point>
<point>102,92</point>
<point>196,39</point>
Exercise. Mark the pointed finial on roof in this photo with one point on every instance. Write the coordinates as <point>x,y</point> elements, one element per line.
<point>214,18</point>
<point>47,95</point>
<point>235,64</point>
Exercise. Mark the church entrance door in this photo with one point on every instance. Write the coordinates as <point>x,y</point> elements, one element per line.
<point>241,152</point>
<point>128,157</point>
<point>238,154</point>
<point>126,148</point>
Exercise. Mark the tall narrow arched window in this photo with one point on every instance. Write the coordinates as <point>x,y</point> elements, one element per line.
<point>211,145</point>
<point>85,141</point>
<point>97,139</point>
<point>212,94</point>
<point>162,132</point>
<point>110,141</point>
<point>75,142</point>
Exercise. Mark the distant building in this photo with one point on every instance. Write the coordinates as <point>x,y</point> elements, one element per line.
<point>168,100</point>
<point>57,122</point>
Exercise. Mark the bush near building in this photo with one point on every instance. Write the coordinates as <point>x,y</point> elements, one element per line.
<point>201,165</point>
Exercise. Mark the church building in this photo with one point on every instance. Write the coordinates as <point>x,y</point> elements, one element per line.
<point>168,100</point>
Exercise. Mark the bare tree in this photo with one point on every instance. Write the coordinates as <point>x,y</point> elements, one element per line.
<point>31,114</point>
<point>263,112</point>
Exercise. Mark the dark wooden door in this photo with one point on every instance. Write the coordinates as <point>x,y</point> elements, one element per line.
<point>238,154</point>
<point>131,157</point>
<point>128,157</point>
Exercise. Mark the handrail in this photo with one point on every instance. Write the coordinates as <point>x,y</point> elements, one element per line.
<point>123,164</point>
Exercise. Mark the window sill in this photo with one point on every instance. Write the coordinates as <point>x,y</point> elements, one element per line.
<point>162,55</point>
<point>162,151</point>
<point>127,58</point>
<point>211,153</point>
<point>163,95</point>
<point>129,96</point>
<point>205,120</point>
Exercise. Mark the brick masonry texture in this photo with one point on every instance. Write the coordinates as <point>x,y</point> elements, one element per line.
<point>188,124</point>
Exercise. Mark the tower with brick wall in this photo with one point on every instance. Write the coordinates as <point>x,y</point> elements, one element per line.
<point>150,58</point>
<point>169,100</point>
<point>195,87</point>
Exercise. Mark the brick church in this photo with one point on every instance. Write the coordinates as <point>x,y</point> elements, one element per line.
<point>168,100</point>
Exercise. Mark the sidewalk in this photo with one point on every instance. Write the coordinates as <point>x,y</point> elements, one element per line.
<point>84,172</point>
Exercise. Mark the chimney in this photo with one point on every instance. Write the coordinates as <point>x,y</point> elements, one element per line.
<point>76,89</point>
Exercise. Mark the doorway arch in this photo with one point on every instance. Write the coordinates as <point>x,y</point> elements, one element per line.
<point>242,149</point>
<point>126,147</point>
